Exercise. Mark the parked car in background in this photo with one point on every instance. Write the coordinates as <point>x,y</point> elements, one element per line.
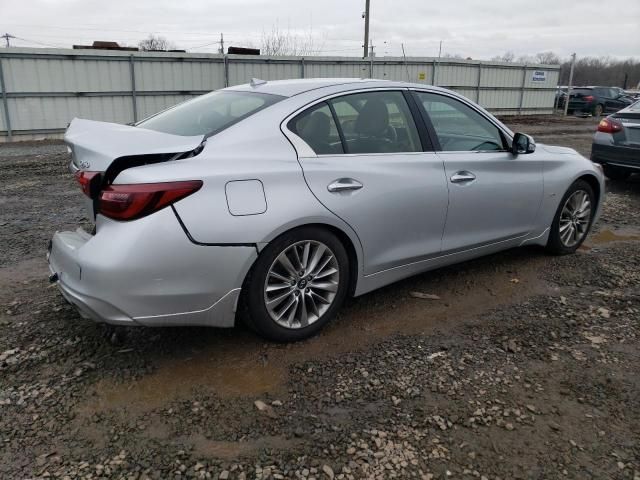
<point>279,199</point>
<point>597,100</point>
<point>635,94</point>
<point>561,96</point>
<point>616,143</point>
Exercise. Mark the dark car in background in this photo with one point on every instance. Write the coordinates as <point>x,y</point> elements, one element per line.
<point>616,143</point>
<point>597,100</point>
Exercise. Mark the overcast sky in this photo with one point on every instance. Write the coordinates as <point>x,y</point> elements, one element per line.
<point>477,29</point>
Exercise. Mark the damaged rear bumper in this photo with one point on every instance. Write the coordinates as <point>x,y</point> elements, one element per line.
<point>65,271</point>
<point>147,272</point>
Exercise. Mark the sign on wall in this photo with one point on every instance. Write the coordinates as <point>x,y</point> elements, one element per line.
<point>539,76</point>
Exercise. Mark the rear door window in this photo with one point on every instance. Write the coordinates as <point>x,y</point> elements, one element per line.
<point>376,122</point>
<point>317,128</point>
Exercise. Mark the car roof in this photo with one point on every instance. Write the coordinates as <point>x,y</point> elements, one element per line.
<point>289,88</point>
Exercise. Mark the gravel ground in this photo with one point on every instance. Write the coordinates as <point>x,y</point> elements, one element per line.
<point>526,366</point>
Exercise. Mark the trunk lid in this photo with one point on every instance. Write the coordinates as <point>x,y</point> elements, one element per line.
<point>109,148</point>
<point>95,145</point>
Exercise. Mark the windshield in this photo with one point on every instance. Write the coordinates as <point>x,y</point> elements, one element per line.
<point>210,113</point>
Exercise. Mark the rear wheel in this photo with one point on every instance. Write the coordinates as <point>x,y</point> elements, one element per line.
<point>573,219</point>
<point>615,173</point>
<point>297,285</point>
<point>599,110</point>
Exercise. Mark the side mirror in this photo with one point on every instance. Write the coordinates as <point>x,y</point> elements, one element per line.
<point>522,143</point>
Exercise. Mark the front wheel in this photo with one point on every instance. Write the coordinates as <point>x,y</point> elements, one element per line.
<point>573,219</point>
<point>297,284</point>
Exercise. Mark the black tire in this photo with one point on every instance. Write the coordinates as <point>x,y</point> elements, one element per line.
<point>555,244</point>
<point>256,315</point>
<point>615,173</point>
<point>598,110</point>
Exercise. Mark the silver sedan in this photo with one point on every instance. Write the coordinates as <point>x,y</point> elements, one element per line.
<point>273,201</point>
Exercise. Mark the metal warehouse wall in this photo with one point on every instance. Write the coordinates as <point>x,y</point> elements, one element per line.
<point>44,89</point>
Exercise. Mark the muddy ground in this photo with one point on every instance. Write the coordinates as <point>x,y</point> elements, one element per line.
<point>528,366</point>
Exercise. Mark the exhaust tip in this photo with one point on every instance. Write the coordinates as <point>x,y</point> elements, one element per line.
<point>53,278</point>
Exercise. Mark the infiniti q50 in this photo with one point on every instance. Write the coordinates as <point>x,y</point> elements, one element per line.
<point>273,201</point>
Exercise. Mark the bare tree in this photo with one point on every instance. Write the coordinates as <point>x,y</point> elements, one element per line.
<point>547,58</point>
<point>155,43</point>
<point>603,71</point>
<point>507,56</point>
<point>284,42</point>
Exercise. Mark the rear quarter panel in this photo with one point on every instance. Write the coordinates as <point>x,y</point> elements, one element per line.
<point>254,149</point>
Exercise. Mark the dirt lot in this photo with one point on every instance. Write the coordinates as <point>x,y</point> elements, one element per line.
<point>528,366</point>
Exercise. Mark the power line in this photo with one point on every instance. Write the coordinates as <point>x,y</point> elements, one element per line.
<point>146,32</point>
<point>39,43</point>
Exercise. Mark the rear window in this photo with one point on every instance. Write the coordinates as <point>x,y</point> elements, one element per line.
<point>210,113</point>
<point>582,91</point>
<point>634,107</point>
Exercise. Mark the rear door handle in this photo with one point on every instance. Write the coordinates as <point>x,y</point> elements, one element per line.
<point>344,185</point>
<point>462,176</point>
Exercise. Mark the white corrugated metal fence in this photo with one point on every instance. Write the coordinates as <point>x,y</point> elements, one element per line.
<point>43,89</point>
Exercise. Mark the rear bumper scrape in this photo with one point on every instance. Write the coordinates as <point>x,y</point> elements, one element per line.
<point>147,272</point>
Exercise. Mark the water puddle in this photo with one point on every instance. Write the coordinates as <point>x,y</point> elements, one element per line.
<point>226,372</point>
<point>204,447</point>
<point>238,364</point>
<point>608,236</point>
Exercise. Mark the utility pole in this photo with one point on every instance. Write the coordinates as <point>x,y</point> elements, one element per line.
<point>566,101</point>
<point>6,36</point>
<point>221,43</point>
<point>365,15</point>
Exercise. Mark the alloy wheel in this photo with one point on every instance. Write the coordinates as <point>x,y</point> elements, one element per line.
<point>575,218</point>
<point>301,284</point>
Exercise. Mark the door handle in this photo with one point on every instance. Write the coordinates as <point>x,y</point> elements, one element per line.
<point>462,177</point>
<point>344,185</point>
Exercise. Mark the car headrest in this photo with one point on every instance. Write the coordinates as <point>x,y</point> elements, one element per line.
<point>317,128</point>
<point>373,119</point>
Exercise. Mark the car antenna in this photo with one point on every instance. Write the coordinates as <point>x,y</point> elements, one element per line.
<point>255,82</point>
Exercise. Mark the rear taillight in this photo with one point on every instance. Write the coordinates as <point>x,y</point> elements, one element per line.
<point>89,182</point>
<point>588,98</point>
<point>128,202</point>
<point>610,125</point>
